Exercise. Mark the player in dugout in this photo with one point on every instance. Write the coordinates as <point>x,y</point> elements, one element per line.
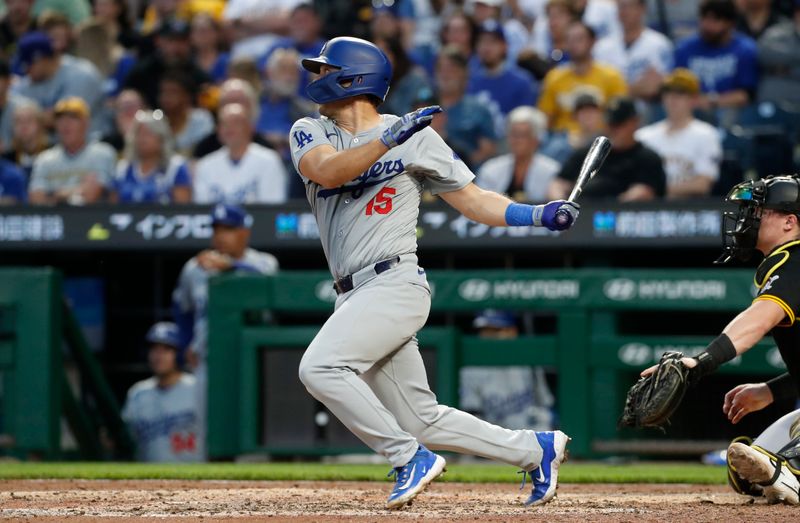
<point>161,411</point>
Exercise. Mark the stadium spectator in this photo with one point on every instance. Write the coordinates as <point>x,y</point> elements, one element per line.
<point>229,253</point>
<point>755,17</point>
<point>632,172</point>
<point>189,124</point>
<point>690,149</point>
<point>238,91</point>
<point>75,11</point>
<point>173,53</point>
<point>407,79</point>
<point>17,21</point>
<point>8,103</point>
<point>779,57</point>
<point>256,24</point>
<point>466,124</point>
<point>58,28</point>
<point>600,15</point>
<point>582,74</point>
<point>207,48</point>
<point>516,397</point>
<point>161,412</point>
<point>29,136</point>
<point>74,171</point>
<point>150,171</point>
<point>95,43</point>
<point>643,55</point>
<point>516,35</point>
<point>549,38</point>
<point>524,173</point>
<point>459,31</point>
<point>384,24</point>
<point>677,21</point>
<point>50,77</point>
<point>348,17</point>
<point>241,171</point>
<point>421,22</point>
<point>724,60</point>
<point>113,15</point>
<point>305,30</point>
<point>280,105</point>
<point>160,12</point>
<point>589,116</point>
<point>125,107</point>
<point>246,68</point>
<point>12,184</point>
<point>495,81</point>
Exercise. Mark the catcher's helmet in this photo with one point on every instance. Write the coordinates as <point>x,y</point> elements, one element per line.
<point>165,333</point>
<point>740,227</point>
<point>359,62</point>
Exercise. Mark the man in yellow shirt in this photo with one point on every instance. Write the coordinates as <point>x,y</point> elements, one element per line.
<point>581,75</point>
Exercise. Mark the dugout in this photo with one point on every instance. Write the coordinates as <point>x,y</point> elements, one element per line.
<point>136,253</point>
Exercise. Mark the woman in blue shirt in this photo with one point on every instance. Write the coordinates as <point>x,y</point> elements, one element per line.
<point>150,171</point>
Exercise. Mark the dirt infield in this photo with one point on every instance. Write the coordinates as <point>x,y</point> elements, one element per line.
<point>122,501</point>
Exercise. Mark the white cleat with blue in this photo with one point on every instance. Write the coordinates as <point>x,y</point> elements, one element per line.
<point>545,477</point>
<point>414,476</point>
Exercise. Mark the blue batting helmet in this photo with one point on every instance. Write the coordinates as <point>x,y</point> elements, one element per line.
<point>165,333</point>
<point>359,62</point>
<point>168,333</point>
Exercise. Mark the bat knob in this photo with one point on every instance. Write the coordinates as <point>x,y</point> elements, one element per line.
<point>562,218</point>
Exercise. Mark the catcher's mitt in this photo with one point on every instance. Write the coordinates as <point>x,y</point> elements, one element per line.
<point>653,399</point>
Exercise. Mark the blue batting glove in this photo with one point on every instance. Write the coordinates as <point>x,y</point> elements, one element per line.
<point>558,215</point>
<point>405,127</point>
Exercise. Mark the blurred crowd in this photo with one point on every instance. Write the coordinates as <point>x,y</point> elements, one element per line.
<point>176,101</point>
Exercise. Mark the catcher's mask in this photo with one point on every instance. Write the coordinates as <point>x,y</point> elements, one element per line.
<point>740,227</point>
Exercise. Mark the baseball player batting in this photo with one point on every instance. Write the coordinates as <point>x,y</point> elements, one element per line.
<point>364,175</point>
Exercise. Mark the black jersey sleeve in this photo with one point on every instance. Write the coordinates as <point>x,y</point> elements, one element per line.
<point>778,280</point>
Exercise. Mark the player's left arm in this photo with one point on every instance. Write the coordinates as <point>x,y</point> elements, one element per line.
<point>495,209</point>
<point>739,336</point>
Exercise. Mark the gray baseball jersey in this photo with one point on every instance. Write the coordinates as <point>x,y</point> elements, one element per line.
<point>165,423</point>
<point>364,364</point>
<point>374,217</point>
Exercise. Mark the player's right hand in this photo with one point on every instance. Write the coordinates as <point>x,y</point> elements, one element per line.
<point>405,127</point>
<point>746,398</point>
<point>558,215</point>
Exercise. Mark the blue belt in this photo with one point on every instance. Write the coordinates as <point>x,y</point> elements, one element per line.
<point>345,283</point>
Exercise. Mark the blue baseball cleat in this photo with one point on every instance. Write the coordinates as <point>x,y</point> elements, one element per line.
<point>545,477</point>
<point>414,476</point>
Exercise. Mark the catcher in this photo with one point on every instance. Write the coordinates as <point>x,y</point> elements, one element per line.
<point>767,220</point>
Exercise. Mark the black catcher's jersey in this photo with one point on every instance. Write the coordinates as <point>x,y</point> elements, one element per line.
<point>778,280</point>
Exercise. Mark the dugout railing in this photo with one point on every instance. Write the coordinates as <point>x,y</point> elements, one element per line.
<point>593,359</point>
<point>49,374</point>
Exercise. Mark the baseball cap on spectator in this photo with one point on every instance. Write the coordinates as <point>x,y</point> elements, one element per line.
<point>174,28</point>
<point>231,216</point>
<point>494,319</point>
<point>72,105</point>
<point>619,110</point>
<point>586,100</point>
<point>492,27</point>
<point>681,80</point>
<point>30,48</point>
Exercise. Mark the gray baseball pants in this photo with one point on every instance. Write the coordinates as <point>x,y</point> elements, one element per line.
<point>364,365</point>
